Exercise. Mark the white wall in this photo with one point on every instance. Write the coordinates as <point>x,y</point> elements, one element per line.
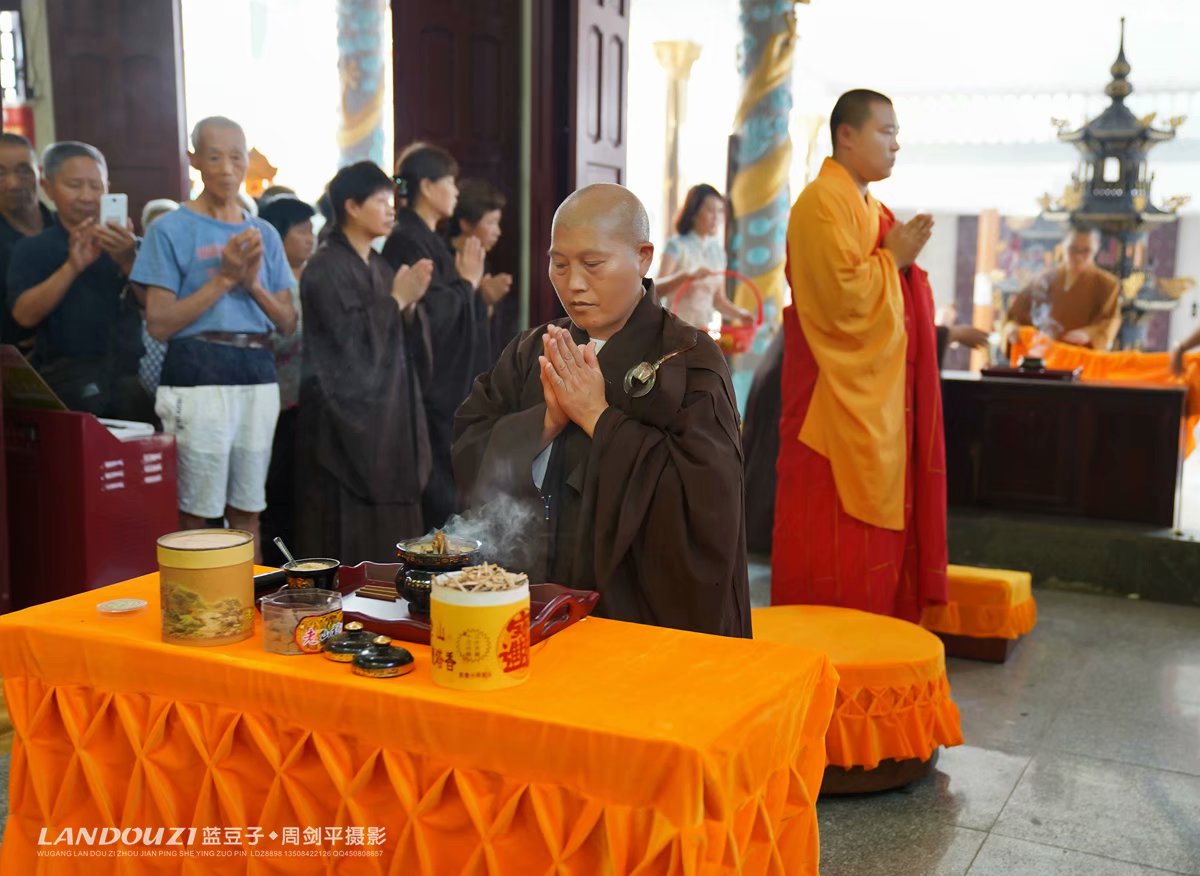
<point>1187,264</point>
<point>976,135</point>
<point>37,73</point>
<point>283,85</point>
<point>939,256</point>
<point>712,98</point>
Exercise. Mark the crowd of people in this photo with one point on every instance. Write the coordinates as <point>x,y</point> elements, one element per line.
<point>344,390</point>
<point>310,380</point>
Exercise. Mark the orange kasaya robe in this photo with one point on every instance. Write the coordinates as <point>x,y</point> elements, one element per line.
<point>860,509</point>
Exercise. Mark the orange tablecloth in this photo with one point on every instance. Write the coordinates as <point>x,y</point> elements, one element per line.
<point>1124,366</point>
<point>984,603</point>
<point>630,749</point>
<point>5,727</point>
<point>893,697</point>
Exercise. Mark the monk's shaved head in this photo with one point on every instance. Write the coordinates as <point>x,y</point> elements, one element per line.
<point>854,108</point>
<point>864,129</point>
<point>607,207</point>
<point>600,250</point>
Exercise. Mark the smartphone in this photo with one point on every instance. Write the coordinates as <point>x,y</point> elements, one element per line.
<point>114,208</point>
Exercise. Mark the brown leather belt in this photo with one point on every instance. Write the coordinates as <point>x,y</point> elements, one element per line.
<point>236,339</point>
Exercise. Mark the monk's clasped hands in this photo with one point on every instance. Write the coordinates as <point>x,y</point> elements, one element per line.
<point>905,240</point>
<point>571,381</point>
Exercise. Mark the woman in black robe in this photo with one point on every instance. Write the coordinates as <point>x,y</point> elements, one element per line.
<point>454,306</point>
<point>363,446</point>
<point>760,444</point>
<point>478,214</point>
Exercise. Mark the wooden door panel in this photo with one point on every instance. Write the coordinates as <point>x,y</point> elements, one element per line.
<point>614,69</point>
<point>456,68</point>
<point>484,124</point>
<point>456,71</point>
<point>551,167</point>
<point>457,83</point>
<point>437,68</point>
<point>589,96</point>
<point>118,84</point>
<point>599,76</point>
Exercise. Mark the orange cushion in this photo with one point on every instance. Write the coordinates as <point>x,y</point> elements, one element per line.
<point>984,603</point>
<point>893,697</point>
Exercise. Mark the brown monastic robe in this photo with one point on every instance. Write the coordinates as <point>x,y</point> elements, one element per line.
<point>760,445</point>
<point>1092,303</point>
<point>650,511</point>
<point>363,454</point>
<point>460,338</point>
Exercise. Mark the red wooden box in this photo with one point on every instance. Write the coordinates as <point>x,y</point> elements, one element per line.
<point>84,508</point>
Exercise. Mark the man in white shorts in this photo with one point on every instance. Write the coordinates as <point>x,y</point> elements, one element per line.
<point>217,284</point>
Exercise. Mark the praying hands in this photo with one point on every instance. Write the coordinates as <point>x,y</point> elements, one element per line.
<point>571,382</point>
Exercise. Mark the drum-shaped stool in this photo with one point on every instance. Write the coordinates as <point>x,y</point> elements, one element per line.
<point>987,612</point>
<point>893,708</point>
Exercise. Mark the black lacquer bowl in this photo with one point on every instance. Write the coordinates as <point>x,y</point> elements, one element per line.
<point>420,565</point>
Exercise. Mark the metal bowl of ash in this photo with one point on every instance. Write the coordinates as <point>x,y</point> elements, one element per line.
<point>439,551</point>
<point>425,557</point>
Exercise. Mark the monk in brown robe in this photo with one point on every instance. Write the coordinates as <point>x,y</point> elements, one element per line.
<point>1075,303</point>
<point>618,425</point>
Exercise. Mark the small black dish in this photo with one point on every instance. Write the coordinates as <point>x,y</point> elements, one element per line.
<point>353,639</point>
<point>319,572</point>
<point>382,659</point>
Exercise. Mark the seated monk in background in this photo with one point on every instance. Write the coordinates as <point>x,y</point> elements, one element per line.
<point>618,427</point>
<point>1076,303</point>
<point>860,511</point>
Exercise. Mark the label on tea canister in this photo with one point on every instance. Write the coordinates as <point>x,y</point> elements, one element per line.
<point>513,648</point>
<point>479,641</point>
<point>312,631</point>
<point>201,614</point>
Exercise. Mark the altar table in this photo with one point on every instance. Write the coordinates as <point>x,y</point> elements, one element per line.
<point>630,749</point>
<point>1094,449</point>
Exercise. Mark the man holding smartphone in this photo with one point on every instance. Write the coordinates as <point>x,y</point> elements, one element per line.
<point>217,285</point>
<point>71,284</point>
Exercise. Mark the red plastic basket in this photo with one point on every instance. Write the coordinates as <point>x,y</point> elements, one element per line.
<point>734,338</point>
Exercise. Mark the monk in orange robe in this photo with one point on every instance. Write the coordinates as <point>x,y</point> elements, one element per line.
<point>1075,303</point>
<point>860,512</point>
